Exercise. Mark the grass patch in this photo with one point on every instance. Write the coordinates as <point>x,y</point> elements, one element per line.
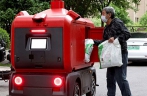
<point>7,65</point>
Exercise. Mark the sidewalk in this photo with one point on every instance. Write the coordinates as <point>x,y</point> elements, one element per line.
<point>4,68</point>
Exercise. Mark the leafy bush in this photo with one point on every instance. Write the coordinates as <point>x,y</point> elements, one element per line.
<point>143,20</point>
<point>5,36</point>
<point>122,14</point>
<point>96,21</point>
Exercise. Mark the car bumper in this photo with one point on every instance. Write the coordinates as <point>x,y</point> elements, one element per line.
<point>137,59</point>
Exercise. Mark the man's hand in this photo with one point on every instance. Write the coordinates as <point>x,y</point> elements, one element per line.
<point>97,42</point>
<point>111,40</point>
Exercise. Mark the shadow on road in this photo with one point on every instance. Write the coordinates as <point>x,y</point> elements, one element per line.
<point>138,64</point>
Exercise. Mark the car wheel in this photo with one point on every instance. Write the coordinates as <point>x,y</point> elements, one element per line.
<point>93,88</point>
<point>76,91</point>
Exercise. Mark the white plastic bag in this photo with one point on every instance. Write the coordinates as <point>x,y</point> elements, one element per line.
<point>110,54</point>
<point>88,49</point>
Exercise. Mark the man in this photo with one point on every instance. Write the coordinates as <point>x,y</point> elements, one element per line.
<point>116,29</point>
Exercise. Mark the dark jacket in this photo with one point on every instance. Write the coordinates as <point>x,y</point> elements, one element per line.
<point>116,29</point>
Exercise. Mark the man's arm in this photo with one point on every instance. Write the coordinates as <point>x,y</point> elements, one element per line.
<point>125,33</point>
<point>97,42</point>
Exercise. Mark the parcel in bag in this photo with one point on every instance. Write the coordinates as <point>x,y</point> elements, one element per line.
<point>110,54</point>
<point>88,49</point>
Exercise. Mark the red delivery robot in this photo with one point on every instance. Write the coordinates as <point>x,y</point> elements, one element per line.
<point>47,53</point>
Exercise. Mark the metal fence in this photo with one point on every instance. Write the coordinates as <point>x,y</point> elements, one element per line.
<point>137,28</point>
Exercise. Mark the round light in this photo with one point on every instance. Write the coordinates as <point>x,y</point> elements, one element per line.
<point>58,81</point>
<point>18,80</point>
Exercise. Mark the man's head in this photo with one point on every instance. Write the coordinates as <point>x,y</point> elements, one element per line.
<point>108,13</point>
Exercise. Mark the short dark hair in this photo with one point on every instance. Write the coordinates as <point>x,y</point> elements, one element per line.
<point>110,10</point>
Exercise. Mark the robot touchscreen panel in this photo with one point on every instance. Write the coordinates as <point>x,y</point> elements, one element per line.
<point>38,43</point>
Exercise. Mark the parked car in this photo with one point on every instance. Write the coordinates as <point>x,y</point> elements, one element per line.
<point>137,47</point>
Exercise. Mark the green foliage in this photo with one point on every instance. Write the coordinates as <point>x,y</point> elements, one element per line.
<point>82,7</point>
<point>96,21</point>
<point>10,8</point>
<point>122,14</point>
<point>86,8</point>
<point>122,4</point>
<point>143,20</point>
<point>93,8</point>
<point>136,24</point>
<point>5,36</point>
<point>38,7</point>
<point>6,65</point>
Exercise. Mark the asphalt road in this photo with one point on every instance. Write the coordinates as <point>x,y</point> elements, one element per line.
<point>137,78</point>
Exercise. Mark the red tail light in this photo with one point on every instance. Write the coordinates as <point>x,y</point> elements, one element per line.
<point>58,81</point>
<point>38,31</point>
<point>18,80</point>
